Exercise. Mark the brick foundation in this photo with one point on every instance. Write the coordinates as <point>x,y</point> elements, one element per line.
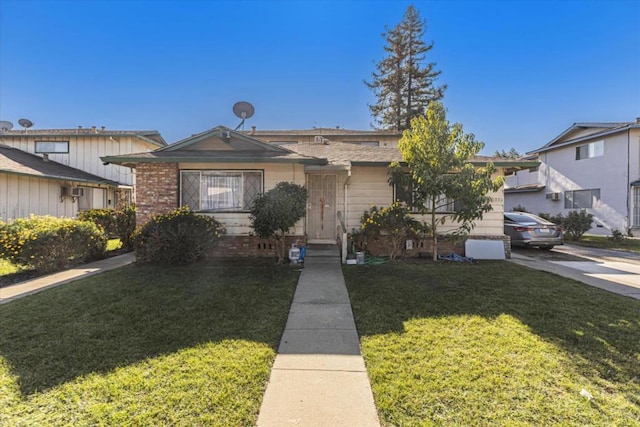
<point>156,189</point>
<point>249,246</point>
<point>378,245</point>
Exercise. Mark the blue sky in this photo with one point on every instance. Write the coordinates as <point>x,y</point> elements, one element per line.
<point>519,72</point>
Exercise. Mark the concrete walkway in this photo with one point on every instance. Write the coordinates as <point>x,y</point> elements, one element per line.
<point>29,287</point>
<point>615,276</point>
<point>319,377</point>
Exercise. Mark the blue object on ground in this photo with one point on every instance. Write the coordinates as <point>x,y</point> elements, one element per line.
<point>303,252</point>
<point>455,257</point>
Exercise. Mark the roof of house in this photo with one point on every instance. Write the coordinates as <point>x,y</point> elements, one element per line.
<point>224,145</point>
<point>326,132</point>
<point>152,136</point>
<point>18,162</point>
<point>599,130</point>
<point>219,144</point>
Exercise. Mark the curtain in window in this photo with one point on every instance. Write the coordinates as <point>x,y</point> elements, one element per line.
<point>222,191</point>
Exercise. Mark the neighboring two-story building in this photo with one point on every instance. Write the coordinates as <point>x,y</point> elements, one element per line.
<point>592,166</point>
<point>59,172</point>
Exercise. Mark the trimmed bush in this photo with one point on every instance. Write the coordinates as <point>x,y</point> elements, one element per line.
<point>46,243</point>
<point>119,222</point>
<point>276,211</point>
<point>574,225</point>
<point>394,221</point>
<point>104,218</point>
<point>177,238</point>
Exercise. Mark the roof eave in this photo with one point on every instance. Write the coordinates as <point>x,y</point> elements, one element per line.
<point>132,161</point>
<point>62,178</point>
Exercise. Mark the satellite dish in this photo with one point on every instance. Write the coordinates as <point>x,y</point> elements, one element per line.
<point>5,126</point>
<point>25,123</point>
<point>243,110</point>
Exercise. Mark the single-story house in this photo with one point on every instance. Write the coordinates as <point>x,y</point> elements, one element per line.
<point>220,171</point>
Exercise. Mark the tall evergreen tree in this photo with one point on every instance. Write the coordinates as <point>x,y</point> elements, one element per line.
<point>404,83</point>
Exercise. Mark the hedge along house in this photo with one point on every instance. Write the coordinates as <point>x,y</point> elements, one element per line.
<point>59,172</point>
<point>219,172</point>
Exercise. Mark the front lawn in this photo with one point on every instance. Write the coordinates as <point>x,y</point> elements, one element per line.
<point>144,346</point>
<point>495,344</point>
<point>626,244</point>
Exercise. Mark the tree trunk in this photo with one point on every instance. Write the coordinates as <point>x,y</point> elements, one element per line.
<point>434,231</point>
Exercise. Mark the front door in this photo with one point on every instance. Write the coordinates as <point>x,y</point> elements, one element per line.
<point>321,206</point>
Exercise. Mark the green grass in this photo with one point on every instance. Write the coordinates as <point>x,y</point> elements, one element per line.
<point>144,346</point>
<point>607,243</point>
<point>495,344</point>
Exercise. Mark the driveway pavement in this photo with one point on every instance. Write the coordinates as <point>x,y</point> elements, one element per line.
<point>614,271</point>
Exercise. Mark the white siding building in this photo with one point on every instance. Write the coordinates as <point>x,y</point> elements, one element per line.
<point>592,166</point>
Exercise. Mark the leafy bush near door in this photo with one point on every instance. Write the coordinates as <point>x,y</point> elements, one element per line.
<point>179,237</point>
<point>276,211</point>
<point>46,243</point>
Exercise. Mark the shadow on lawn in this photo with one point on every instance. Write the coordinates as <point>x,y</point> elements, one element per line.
<point>125,316</point>
<point>601,328</point>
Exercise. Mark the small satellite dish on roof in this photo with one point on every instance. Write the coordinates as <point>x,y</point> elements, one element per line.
<point>25,123</point>
<point>243,110</point>
<point>5,125</point>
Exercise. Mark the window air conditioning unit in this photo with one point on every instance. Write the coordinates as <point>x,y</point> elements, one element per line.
<point>64,191</point>
<point>555,197</point>
<point>77,192</point>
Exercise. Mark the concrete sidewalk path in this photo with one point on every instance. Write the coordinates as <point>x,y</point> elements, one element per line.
<point>29,287</point>
<point>614,276</point>
<point>319,377</point>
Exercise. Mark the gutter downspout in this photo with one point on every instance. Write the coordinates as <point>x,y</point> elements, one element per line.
<point>629,208</point>
<point>345,204</point>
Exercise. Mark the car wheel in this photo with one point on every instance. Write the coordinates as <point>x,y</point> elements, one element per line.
<point>546,248</point>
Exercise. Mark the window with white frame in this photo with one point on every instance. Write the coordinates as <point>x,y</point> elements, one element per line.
<point>592,149</point>
<point>581,199</point>
<point>52,147</point>
<point>220,190</point>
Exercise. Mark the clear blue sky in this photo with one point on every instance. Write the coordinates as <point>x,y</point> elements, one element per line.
<point>519,72</point>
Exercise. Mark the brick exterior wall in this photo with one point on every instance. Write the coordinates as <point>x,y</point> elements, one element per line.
<point>250,246</point>
<point>156,189</point>
<point>377,246</point>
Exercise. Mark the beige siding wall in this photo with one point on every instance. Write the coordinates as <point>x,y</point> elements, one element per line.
<point>368,186</point>
<point>21,196</point>
<point>238,223</point>
<point>85,152</point>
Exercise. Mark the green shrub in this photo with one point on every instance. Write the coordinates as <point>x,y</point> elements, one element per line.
<point>393,221</point>
<point>617,236</point>
<point>119,222</point>
<point>125,225</point>
<point>179,237</point>
<point>46,243</point>
<point>556,219</point>
<point>574,225</point>
<point>276,211</point>
<point>105,218</point>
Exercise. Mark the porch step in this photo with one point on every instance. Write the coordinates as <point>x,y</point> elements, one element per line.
<point>322,251</point>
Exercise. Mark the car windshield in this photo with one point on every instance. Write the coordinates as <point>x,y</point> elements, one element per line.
<point>517,217</point>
